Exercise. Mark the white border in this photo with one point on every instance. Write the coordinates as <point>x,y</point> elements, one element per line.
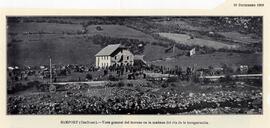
<point>112,4</point>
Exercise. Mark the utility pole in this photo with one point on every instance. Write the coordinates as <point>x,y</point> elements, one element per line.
<point>173,48</point>
<point>50,71</point>
<point>52,88</point>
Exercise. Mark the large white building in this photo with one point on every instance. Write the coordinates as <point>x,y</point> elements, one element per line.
<point>114,54</point>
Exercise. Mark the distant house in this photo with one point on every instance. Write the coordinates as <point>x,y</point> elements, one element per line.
<point>114,54</point>
<point>192,52</point>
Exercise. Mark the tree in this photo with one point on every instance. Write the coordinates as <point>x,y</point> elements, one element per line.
<point>255,69</point>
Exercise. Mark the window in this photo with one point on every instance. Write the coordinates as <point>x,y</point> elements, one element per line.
<point>127,57</point>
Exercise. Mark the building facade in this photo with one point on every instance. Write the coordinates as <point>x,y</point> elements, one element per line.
<point>114,54</point>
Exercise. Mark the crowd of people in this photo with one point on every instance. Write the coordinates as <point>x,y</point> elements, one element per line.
<point>125,101</point>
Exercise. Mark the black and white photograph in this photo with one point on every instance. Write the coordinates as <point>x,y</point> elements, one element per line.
<point>134,65</point>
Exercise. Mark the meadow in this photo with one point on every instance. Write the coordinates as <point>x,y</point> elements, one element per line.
<point>216,59</point>
<point>193,41</point>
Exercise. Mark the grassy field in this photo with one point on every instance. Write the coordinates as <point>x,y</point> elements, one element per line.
<point>214,59</point>
<point>238,37</point>
<point>118,31</point>
<point>182,24</point>
<point>156,52</point>
<point>186,40</point>
<point>198,27</point>
<point>62,50</point>
<point>54,28</point>
<point>35,43</point>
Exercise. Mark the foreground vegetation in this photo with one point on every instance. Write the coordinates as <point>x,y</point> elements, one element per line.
<point>128,98</point>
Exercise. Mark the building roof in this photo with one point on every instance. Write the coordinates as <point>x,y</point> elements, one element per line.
<point>108,50</point>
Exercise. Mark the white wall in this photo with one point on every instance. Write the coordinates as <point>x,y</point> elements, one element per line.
<point>126,54</point>
<point>103,61</point>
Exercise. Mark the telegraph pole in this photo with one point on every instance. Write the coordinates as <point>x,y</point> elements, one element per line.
<point>50,71</point>
<point>52,88</point>
<point>173,48</point>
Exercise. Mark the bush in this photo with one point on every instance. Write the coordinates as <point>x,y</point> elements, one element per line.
<point>121,84</point>
<point>173,85</point>
<point>130,85</point>
<point>33,83</point>
<point>89,76</point>
<point>172,79</point>
<point>110,85</point>
<point>113,78</point>
<point>16,87</point>
<point>226,79</point>
<point>255,69</point>
<point>165,85</point>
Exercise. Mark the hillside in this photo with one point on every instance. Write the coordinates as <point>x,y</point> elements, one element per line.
<point>75,40</point>
<point>33,43</point>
